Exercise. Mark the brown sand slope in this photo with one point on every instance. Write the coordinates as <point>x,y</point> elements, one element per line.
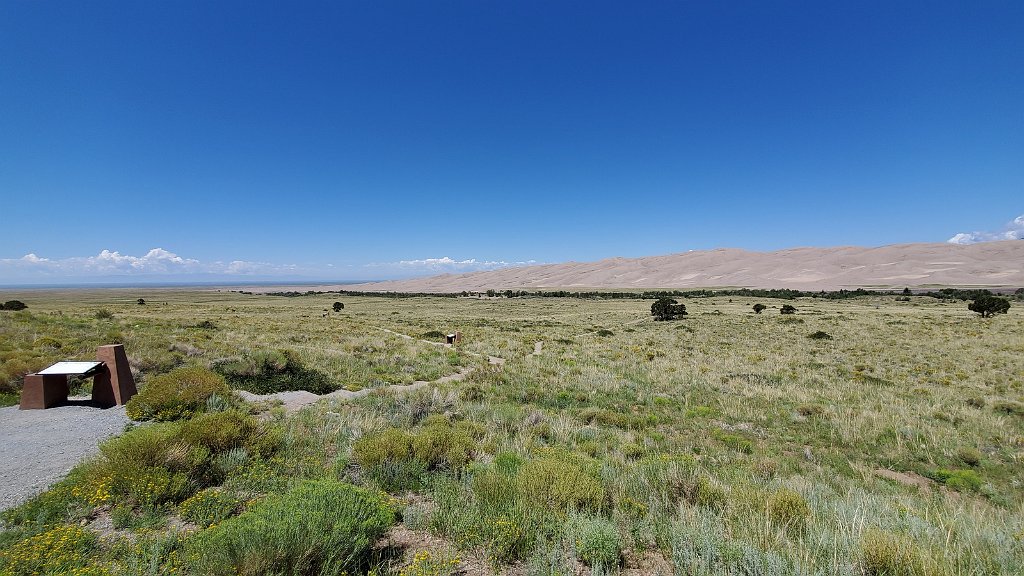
<point>993,264</point>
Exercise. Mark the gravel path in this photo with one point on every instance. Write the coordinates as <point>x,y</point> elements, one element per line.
<point>39,447</point>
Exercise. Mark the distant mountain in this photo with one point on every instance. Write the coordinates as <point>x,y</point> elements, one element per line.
<point>988,264</point>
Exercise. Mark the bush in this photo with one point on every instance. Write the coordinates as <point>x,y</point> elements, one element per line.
<point>271,371</point>
<point>989,306</point>
<point>103,314</point>
<point>13,305</point>
<point>317,527</point>
<point>787,509</point>
<point>338,306</point>
<point>787,309</point>
<point>179,393</point>
<point>397,459</point>
<point>667,309</point>
<point>819,335</point>
<point>443,446</point>
<point>372,450</point>
<point>597,542</point>
<point>210,506</point>
<point>60,550</point>
<point>959,480</point>
<point>758,308</point>
<point>890,554</point>
<point>222,432</point>
<point>560,481</point>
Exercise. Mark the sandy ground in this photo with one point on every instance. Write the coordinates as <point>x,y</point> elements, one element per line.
<point>993,264</point>
<point>41,446</point>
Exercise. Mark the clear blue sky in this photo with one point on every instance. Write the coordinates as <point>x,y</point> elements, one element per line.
<point>354,133</point>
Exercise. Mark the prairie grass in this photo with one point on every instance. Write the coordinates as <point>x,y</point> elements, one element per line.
<point>727,442</point>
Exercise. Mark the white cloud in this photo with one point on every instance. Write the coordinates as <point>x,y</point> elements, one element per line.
<point>1013,230</point>
<point>109,263</point>
<point>447,264</point>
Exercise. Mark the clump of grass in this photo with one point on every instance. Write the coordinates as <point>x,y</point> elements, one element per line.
<point>271,371</point>
<point>597,541</point>
<point>889,554</point>
<point>788,509</point>
<point>969,456</point>
<point>820,335</point>
<point>960,480</point>
<point>317,527</point>
<point>209,507</point>
<point>560,481</point>
<point>734,442</point>
<point>177,394</point>
<point>1009,407</point>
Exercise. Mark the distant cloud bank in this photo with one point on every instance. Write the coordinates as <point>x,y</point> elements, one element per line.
<point>158,262</point>
<point>446,264</point>
<point>1012,231</point>
<point>162,265</point>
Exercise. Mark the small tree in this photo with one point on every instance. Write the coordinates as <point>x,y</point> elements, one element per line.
<point>989,306</point>
<point>140,302</point>
<point>13,305</point>
<point>906,292</point>
<point>787,309</point>
<point>758,308</point>
<point>338,306</point>
<point>667,309</point>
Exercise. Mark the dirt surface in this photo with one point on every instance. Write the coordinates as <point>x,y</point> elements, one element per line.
<point>40,447</point>
<point>907,478</point>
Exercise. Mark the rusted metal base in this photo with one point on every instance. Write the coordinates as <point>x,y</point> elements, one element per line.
<point>44,391</point>
<point>115,384</point>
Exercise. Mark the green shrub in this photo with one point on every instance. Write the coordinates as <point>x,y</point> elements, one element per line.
<point>969,456</point>
<point>597,542</point>
<point>179,393</point>
<point>560,481</point>
<point>103,314</point>
<point>317,527</point>
<point>960,480</point>
<point>820,335</point>
<point>390,444</point>
<point>13,305</point>
<point>48,342</point>
<point>438,445</point>
<point>787,309</point>
<point>225,431</point>
<point>271,371</point>
<point>432,335</point>
<point>889,554</point>
<point>734,442</point>
<point>787,509</point>
<point>443,446</point>
<point>208,507</point>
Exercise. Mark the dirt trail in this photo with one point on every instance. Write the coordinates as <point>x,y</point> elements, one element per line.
<point>295,400</point>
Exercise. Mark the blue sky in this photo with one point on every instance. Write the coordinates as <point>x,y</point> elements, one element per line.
<point>336,140</point>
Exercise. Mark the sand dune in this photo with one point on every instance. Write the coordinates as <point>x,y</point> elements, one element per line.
<point>989,264</point>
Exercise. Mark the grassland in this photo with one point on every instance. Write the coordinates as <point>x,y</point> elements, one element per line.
<point>724,443</point>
